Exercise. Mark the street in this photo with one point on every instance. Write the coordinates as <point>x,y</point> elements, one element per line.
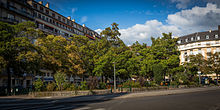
<point>200,100</point>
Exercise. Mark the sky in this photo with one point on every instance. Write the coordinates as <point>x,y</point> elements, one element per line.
<point>139,20</point>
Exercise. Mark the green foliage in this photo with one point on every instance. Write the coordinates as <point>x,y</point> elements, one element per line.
<point>38,85</point>
<point>66,85</point>
<point>151,84</point>
<point>158,70</point>
<point>129,84</point>
<point>174,83</point>
<point>72,87</point>
<point>93,82</point>
<point>51,86</point>
<point>84,85</point>
<point>102,85</point>
<point>60,79</point>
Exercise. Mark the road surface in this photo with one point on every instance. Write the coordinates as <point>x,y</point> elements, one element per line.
<point>199,100</point>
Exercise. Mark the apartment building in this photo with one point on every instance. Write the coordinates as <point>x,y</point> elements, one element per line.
<point>47,20</point>
<point>199,43</point>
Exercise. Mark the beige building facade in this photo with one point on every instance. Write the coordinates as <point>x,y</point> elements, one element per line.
<point>199,43</point>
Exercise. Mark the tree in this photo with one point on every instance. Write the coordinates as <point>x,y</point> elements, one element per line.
<point>14,43</point>
<point>60,78</point>
<point>59,54</point>
<point>165,52</point>
<point>213,64</point>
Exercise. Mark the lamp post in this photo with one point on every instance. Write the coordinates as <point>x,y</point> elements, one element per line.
<point>114,79</point>
<point>199,72</point>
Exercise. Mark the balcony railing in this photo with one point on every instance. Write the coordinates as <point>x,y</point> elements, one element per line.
<point>9,20</point>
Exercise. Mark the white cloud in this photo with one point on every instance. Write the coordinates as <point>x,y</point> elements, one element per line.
<point>98,30</point>
<point>181,4</point>
<point>84,19</point>
<point>181,23</point>
<point>143,32</point>
<point>74,10</point>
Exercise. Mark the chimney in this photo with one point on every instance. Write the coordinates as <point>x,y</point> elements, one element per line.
<point>47,5</point>
<point>69,18</point>
<point>84,25</point>
<point>73,20</point>
<point>40,2</point>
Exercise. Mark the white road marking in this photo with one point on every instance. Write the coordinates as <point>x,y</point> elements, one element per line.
<point>100,109</point>
<point>82,108</point>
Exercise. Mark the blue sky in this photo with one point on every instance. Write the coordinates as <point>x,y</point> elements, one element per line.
<point>129,14</point>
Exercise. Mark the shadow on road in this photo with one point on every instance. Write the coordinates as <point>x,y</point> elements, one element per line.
<point>48,102</point>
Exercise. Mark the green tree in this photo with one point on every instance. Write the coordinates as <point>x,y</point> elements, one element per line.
<point>165,52</point>
<point>13,44</point>
<point>38,85</point>
<point>60,79</point>
<point>213,64</point>
<point>59,54</point>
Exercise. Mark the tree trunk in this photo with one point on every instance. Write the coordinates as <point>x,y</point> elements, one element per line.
<point>217,78</point>
<point>9,81</point>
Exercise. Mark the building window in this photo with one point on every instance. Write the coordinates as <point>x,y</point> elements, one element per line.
<point>208,50</point>
<point>10,16</point>
<point>216,36</point>
<point>53,14</point>
<point>217,49</point>
<point>186,40</point>
<point>39,15</point>
<point>198,37</point>
<point>59,18</point>
<point>192,38</point>
<point>64,20</point>
<point>41,8</point>
<point>191,52</point>
<point>199,51</point>
<point>47,19</point>
<point>43,17</point>
<point>35,6</point>
<point>207,36</point>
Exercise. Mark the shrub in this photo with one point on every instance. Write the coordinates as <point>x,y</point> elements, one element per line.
<point>66,85</point>
<point>38,85</point>
<point>102,85</point>
<point>151,84</point>
<point>93,82</point>
<point>84,85</point>
<point>174,83</point>
<point>141,81</point>
<point>51,86</point>
<point>60,78</point>
<point>128,84</point>
<point>72,87</point>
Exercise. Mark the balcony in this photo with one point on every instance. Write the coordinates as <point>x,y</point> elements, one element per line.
<point>22,12</point>
<point>9,20</point>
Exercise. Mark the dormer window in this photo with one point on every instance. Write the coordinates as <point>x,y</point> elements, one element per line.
<point>207,36</point>
<point>198,37</point>
<point>216,36</point>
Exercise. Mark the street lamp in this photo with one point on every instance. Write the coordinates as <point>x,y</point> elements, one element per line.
<point>199,72</point>
<point>114,79</point>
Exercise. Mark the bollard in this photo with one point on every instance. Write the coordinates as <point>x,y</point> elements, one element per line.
<point>111,89</point>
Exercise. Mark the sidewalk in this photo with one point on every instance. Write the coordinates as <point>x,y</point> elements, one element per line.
<point>167,92</point>
<point>93,98</point>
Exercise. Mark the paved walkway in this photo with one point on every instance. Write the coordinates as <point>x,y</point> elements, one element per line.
<point>167,92</point>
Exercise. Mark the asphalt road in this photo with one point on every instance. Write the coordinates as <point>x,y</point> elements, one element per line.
<point>203,100</point>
